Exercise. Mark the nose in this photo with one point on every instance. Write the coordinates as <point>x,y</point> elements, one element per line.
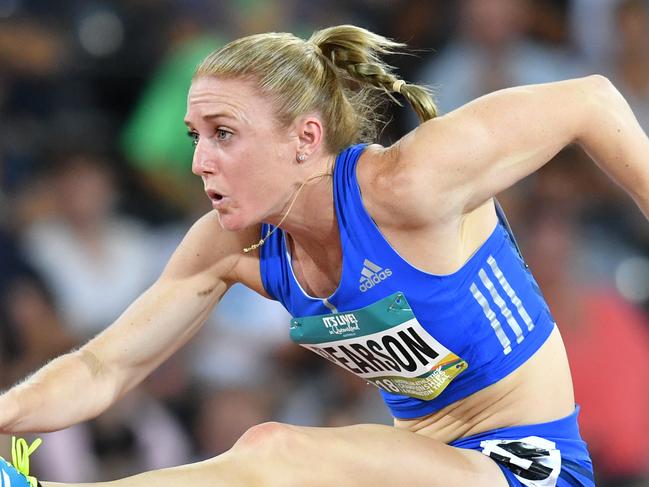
<point>203,163</point>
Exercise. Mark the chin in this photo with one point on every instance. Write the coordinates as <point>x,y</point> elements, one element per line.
<point>232,222</point>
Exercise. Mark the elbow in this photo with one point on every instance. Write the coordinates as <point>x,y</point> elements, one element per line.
<point>599,81</point>
<point>601,104</point>
<point>602,90</point>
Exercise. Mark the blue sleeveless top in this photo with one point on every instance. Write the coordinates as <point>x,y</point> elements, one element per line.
<point>475,326</point>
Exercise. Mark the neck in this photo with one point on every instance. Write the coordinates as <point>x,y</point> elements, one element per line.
<point>309,216</point>
<point>312,237</point>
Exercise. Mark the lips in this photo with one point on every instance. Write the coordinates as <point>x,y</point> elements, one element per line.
<point>214,195</point>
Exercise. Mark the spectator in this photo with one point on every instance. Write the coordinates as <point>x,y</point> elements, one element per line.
<point>491,50</point>
<point>93,259</point>
<point>631,66</point>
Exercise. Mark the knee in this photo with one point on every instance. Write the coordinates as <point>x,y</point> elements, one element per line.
<point>267,435</point>
<point>268,452</point>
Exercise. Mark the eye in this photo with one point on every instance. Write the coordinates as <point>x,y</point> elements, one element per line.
<point>222,134</point>
<point>194,137</point>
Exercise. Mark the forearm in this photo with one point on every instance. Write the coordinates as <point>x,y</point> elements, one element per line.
<point>616,142</point>
<point>68,390</point>
<point>82,384</point>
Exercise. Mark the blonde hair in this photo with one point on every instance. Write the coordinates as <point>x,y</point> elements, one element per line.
<point>337,73</point>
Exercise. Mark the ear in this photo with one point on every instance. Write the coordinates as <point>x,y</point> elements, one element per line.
<point>310,134</point>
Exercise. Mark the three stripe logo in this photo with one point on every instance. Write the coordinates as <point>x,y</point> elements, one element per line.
<point>371,275</point>
<point>505,299</point>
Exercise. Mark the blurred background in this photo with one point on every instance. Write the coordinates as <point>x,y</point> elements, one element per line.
<point>96,191</point>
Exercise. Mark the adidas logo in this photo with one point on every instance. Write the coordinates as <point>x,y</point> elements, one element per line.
<point>371,275</point>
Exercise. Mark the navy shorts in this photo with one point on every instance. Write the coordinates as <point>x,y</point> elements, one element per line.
<point>538,455</point>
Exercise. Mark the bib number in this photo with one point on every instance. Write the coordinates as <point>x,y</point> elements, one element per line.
<point>383,344</point>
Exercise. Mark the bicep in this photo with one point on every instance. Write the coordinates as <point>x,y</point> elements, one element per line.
<point>488,145</point>
<point>206,246</point>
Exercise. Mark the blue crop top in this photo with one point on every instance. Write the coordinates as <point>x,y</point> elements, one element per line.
<point>424,340</point>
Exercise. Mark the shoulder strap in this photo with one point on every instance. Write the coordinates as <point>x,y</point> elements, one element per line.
<point>270,263</point>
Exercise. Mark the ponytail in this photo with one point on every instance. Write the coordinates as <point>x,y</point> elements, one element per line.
<point>357,51</point>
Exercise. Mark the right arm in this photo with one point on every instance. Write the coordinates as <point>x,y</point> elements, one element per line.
<point>489,144</point>
<point>82,384</point>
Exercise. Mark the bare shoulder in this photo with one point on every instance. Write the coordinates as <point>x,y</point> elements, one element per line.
<point>399,189</point>
<point>413,217</point>
<point>216,254</point>
<point>457,162</point>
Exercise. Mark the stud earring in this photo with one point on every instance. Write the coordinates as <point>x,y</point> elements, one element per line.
<point>301,157</point>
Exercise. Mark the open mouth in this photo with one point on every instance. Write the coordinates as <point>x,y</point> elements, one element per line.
<point>213,195</point>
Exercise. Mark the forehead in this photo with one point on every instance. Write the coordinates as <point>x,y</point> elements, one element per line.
<point>235,98</point>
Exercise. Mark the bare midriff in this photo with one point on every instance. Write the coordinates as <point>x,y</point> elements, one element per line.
<point>539,391</point>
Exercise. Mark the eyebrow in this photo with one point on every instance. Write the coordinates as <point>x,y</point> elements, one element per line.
<point>212,116</point>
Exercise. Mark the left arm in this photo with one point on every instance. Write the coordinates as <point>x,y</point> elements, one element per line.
<point>484,147</point>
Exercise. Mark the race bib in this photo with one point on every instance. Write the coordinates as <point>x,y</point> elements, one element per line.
<point>385,345</point>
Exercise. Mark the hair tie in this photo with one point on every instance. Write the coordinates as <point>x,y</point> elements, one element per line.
<point>397,85</point>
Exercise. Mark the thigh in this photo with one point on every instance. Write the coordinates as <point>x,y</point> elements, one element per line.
<point>360,456</point>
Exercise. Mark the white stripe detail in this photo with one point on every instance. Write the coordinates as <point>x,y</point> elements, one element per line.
<point>488,449</point>
<point>506,312</point>
<point>491,316</point>
<point>372,266</point>
<point>511,293</point>
<point>6,481</point>
<point>552,460</point>
<point>330,306</point>
<point>367,273</point>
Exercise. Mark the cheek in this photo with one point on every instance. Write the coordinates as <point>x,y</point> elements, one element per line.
<point>259,182</point>
<point>253,183</point>
<point>258,195</point>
